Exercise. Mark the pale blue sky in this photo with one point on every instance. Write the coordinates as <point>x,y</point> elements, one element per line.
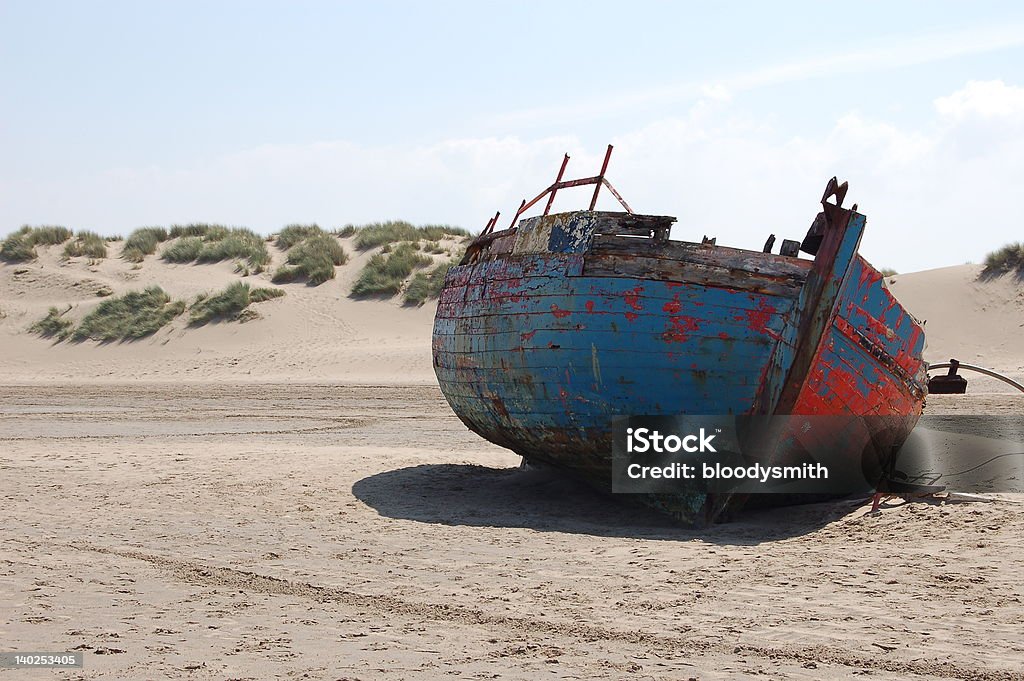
<point>119,114</point>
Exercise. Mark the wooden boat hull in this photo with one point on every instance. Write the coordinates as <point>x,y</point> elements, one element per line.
<point>551,330</point>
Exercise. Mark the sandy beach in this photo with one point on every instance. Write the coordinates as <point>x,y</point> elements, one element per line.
<point>292,497</point>
<point>328,531</point>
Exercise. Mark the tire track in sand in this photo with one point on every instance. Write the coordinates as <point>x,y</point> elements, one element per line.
<point>202,574</point>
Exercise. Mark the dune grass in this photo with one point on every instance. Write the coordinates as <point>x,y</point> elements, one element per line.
<point>888,272</point>
<point>48,235</point>
<point>1009,258</point>
<point>142,242</point>
<point>185,249</point>
<point>53,325</point>
<point>229,304</point>
<point>218,232</point>
<point>345,232</point>
<point>238,243</point>
<point>314,260</point>
<point>195,229</point>
<point>380,233</point>
<point>136,314</point>
<point>20,246</point>
<point>260,295</point>
<point>427,284</point>
<point>215,243</point>
<point>17,247</point>
<point>295,234</point>
<point>385,274</point>
<point>86,244</point>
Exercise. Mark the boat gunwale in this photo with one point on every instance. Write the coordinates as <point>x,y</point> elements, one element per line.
<point>619,241</point>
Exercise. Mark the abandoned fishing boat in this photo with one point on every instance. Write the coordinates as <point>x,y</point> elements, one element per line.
<point>549,329</point>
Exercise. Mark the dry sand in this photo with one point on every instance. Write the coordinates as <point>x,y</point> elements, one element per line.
<point>229,503</point>
<point>250,531</point>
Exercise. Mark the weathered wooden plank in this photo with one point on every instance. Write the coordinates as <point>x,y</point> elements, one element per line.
<point>615,293</point>
<point>582,379</point>
<point>574,408</point>
<point>573,310</point>
<point>517,267</point>
<point>764,319</point>
<point>844,377</point>
<point>699,355</point>
<point>719,256</point>
<point>650,338</point>
<point>872,310</point>
<point>612,220</point>
<point>696,344</point>
<point>640,267</point>
<point>729,324</point>
<point>813,314</point>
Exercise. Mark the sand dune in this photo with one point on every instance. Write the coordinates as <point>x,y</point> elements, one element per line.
<point>313,333</point>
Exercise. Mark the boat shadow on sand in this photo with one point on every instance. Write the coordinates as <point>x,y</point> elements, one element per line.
<point>547,501</point>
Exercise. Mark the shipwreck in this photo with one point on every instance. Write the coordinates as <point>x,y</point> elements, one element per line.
<point>549,329</point>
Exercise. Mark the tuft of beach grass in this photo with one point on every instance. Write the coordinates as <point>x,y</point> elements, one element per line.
<point>229,304</point>
<point>134,315</point>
